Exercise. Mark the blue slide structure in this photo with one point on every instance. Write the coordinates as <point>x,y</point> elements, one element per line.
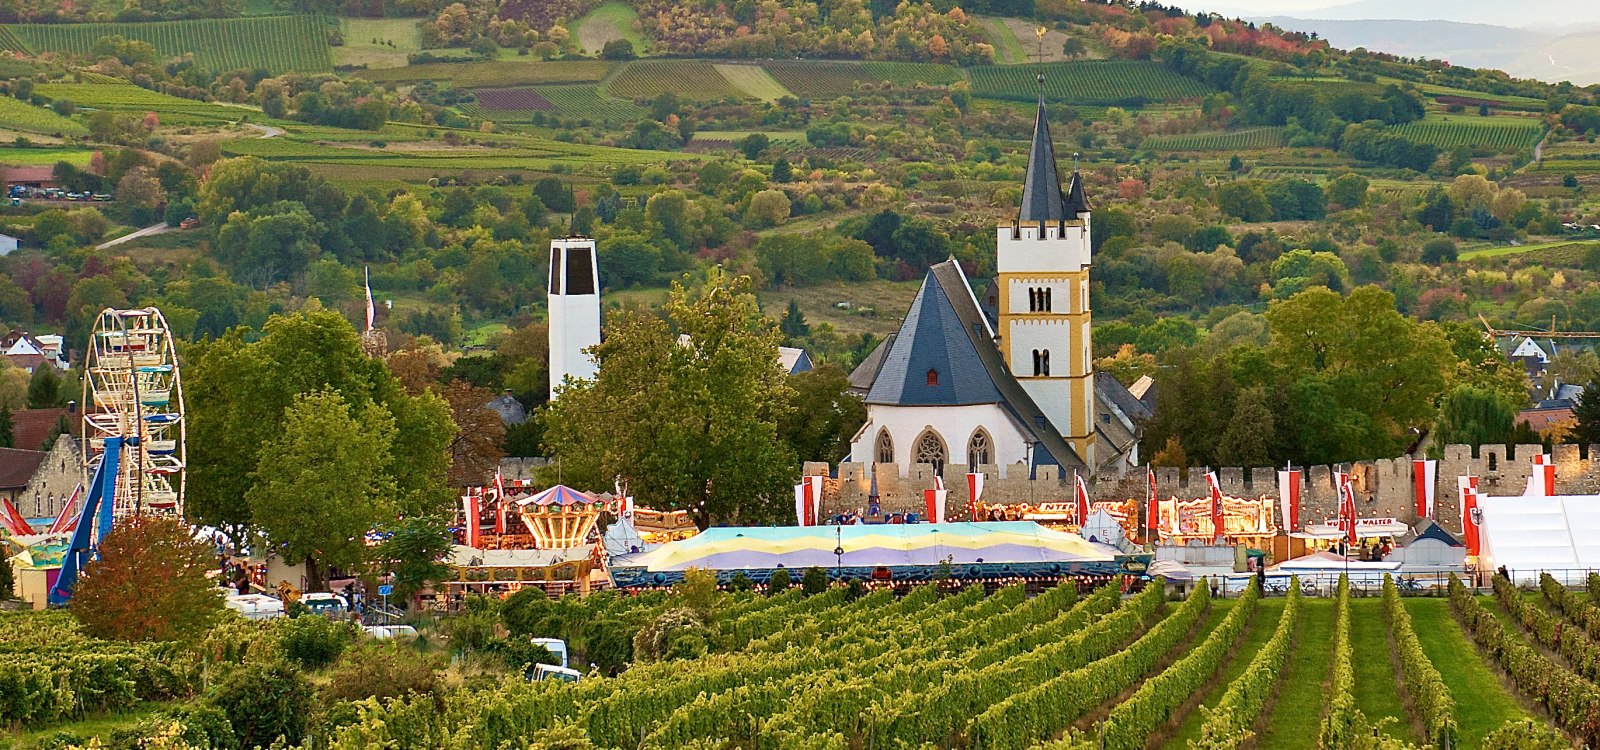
<point>97,504</point>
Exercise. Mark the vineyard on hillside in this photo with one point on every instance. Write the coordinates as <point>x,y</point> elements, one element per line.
<point>1094,82</point>
<point>1003,670</point>
<point>50,671</point>
<point>1498,133</point>
<point>1231,140</point>
<point>127,97</point>
<point>695,80</point>
<point>279,44</point>
<point>17,115</point>
<point>578,102</point>
<point>495,74</point>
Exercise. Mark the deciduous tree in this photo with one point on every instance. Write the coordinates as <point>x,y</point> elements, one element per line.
<point>149,583</point>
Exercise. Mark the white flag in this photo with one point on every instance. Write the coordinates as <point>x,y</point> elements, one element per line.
<point>371,311</point>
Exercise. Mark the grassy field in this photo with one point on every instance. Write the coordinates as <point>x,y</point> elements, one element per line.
<point>499,74</point>
<point>127,97</point>
<point>1496,251</point>
<point>875,307</point>
<point>279,44</point>
<point>1472,681</point>
<point>376,42</point>
<point>753,81</point>
<point>1501,133</point>
<point>38,157</point>
<point>695,80</point>
<point>1008,49</point>
<point>1377,686</point>
<point>18,115</point>
<point>612,20</point>
<point>1292,723</point>
<point>1092,82</point>
<point>525,154</point>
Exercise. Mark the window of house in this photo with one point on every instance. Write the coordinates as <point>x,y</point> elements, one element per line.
<point>1037,363</point>
<point>933,377</point>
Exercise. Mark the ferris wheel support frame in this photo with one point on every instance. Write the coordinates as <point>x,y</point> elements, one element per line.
<point>96,505</point>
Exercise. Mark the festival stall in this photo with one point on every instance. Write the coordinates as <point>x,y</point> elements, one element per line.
<point>903,552</point>
<point>1528,535</point>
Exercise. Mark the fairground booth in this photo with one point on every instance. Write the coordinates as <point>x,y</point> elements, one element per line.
<point>887,553</point>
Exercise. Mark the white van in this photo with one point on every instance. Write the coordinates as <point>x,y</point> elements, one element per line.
<point>382,632</point>
<point>255,606</point>
<point>327,605</point>
<point>551,672</point>
<point>555,646</point>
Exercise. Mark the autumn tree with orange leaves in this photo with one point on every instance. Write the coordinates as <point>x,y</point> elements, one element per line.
<point>149,583</point>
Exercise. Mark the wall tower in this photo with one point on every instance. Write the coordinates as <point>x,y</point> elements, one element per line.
<point>574,309</point>
<point>1042,263</point>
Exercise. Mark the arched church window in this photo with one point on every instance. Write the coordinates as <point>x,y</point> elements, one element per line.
<point>1044,363</point>
<point>1045,306</point>
<point>978,449</point>
<point>933,377</point>
<point>885,447</point>
<point>930,450</point>
<point>1037,362</point>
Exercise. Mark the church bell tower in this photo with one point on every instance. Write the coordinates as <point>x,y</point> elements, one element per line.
<point>1042,264</point>
<point>574,304</point>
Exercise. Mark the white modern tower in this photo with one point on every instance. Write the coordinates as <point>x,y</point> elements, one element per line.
<point>574,309</point>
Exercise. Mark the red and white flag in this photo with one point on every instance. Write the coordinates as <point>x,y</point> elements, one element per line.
<point>1347,507</point>
<point>67,519</point>
<point>1217,523</point>
<point>500,501</point>
<point>1471,518</point>
<point>1082,499</point>
<point>1289,499</point>
<point>372,311</point>
<point>471,506</point>
<point>1463,485</point>
<point>933,500</point>
<point>801,515</point>
<point>1424,477</point>
<point>974,493</point>
<point>1542,482</point>
<point>813,485</point>
<point>1152,516</point>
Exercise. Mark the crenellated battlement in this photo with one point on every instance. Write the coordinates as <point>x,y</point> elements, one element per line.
<point>1383,487</point>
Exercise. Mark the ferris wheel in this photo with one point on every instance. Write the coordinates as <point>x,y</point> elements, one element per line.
<point>132,394</point>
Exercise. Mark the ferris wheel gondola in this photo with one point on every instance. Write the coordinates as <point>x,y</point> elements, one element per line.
<point>132,391</point>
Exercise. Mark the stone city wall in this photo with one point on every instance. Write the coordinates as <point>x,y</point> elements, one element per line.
<point>1383,487</point>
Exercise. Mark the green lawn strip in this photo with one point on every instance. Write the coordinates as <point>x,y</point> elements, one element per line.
<point>1377,685</point>
<point>1483,701</point>
<point>1495,251</point>
<point>1268,612</point>
<point>1297,710</point>
<point>612,20</point>
<point>95,726</point>
<point>1007,47</point>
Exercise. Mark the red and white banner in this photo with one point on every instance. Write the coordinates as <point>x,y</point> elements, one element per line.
<point>1542,482</point>
<point>933,500</point>
<point>1347,507</point>
<point>1289,500</point>
<point>500,502</point>
<point>1470,519</point>
<point>472,506</point>
<point>1081,499</point>
<point>1152,516</point>
<point>13,521</point>
<point>974,493</point>
<point>801,515</point>
<point>1463,485</point>
<point>1217,526</point>
<point>1424,476</point>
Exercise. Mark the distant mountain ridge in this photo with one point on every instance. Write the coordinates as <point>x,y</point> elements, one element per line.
<point>1557,16</point>
<point>1522,52</point>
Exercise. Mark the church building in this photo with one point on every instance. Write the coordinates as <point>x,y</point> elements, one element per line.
<point>1011,378</point>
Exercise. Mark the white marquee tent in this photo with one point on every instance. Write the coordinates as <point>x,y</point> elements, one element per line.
<point>1530,534</point>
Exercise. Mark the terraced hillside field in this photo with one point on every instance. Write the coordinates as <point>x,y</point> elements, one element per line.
<point>279,44</point>
<point>1089,82</point>
<point>497,74</point>
<point>1498,133</point>
<point>1228,140</point>
<point>942,667</point>
<point>130,98</point>
<point>17,115</point>
<point>695,80</point>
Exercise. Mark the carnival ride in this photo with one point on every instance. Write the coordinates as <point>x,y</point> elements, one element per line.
<point>133,431</point>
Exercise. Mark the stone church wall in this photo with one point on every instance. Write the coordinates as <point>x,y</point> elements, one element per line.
<point>1383,487</point>
<point>52,484</point>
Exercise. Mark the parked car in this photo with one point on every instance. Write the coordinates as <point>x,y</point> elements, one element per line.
<point>551,672</point>
<point>325,604</point>
<point>383,632</point>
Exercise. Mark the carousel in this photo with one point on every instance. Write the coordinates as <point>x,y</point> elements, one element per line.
<point>511,535</point>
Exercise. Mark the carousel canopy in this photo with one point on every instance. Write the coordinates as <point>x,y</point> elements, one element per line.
<point>559,495</point>
<point>890,545</point>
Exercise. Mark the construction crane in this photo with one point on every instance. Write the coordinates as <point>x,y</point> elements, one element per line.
<point>1550,334</point>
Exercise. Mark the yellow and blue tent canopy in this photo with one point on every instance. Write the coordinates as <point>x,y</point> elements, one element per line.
<point>1021,543</point>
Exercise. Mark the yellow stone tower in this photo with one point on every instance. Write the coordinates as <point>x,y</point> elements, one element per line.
<point>1042,264</point>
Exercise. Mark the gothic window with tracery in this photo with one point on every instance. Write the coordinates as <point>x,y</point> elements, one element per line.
<point>885,447</point>
<point>978,449</point>
<point>930,450</point>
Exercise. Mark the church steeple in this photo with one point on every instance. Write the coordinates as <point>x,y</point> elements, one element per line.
<point>1042,199</point>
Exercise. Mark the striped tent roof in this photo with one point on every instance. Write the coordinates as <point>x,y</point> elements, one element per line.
<point>765,548</point>
<point>559,495</point>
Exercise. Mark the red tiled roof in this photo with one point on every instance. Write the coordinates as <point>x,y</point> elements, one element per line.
<point>18,466</point>
<point>1541,419</point>
<point>26,361</point>
<point>30,426</point>
<point>28,174</point>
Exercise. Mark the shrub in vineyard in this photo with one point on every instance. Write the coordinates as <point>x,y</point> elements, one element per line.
<point>1228,724</point>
